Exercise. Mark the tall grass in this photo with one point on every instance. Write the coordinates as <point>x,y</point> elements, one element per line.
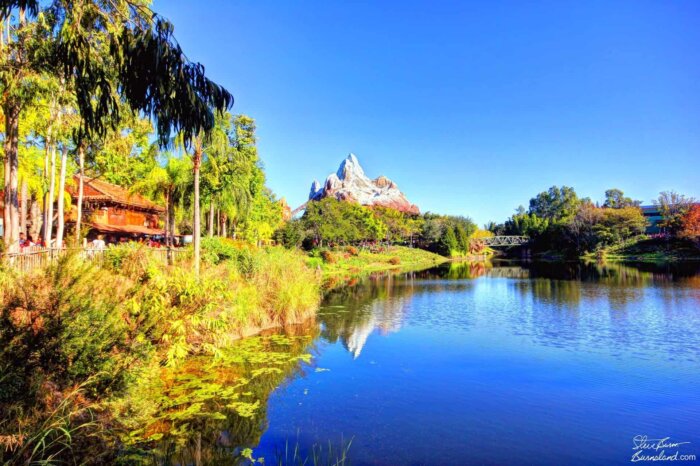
<point>318,455</point>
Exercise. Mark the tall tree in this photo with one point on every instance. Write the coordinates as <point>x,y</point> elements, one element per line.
<point>616,199</point>
<point>691,223</point>
<point>673,207</point>
<point>145,66</point>
<point>169,181</point>
<point>555,204</point>
<point>61,192</point>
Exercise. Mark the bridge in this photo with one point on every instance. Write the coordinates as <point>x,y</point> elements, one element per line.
<point>299,209</point>
<point>504,241</point>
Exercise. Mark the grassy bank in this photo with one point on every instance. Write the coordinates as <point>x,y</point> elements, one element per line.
<point>652,250</point>
<point>352,261</point>
<point>77,338</point>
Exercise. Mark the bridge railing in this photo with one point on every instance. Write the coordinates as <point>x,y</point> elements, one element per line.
<point>496,241</point>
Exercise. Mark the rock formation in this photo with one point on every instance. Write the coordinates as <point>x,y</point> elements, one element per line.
<point>351,184</point>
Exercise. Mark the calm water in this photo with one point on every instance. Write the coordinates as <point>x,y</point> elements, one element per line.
<point>500,365</point>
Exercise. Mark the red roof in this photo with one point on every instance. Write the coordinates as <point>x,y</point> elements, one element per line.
<point>98,190</point>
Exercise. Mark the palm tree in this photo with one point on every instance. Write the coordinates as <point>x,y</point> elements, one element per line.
<point>227,173</point>
<point>168,182</point>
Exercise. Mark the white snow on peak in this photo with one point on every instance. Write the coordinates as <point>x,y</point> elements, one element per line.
<point>350,168</point>
<point>351,183</point>
<point>315,189</point>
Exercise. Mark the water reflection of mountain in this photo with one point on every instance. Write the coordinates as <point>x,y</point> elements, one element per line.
<point>352,313</point>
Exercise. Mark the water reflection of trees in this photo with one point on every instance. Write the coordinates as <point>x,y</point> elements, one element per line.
<point>564,283</point>
<point>381,302</point>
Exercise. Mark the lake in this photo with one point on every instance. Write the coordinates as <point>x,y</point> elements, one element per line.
<point>500,364</point>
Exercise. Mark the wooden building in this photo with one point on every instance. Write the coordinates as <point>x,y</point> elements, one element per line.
<point>113,211</point>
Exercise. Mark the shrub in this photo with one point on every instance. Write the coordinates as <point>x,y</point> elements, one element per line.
<point>395,260</point>
<point>216,250</point>
<point>314,262</point>
<point>328,257</point>
<point>353,251</point>
<point>132,260</point>
<point>62,326</point>
<point>289,289</point>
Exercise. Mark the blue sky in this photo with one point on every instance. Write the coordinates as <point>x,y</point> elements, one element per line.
<point>470,107</point>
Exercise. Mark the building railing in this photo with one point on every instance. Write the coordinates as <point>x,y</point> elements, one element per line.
<point>33,257</point>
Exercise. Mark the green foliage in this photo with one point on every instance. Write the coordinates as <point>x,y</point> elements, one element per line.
<point>525,224</point>
<point>620,224</point>
<point>462,238</point>
<point>233,179</point>
<point>446,235</point>
<point>332,222</point>
<point>216,250</point>
<point>292,233</point>
<point>654,250</point>
<point>401,228</point>
<point>337,222</point>
<point>264,218</point>
<point>555,204</point>
<point>616,199</point>
<point>64,326</point>
<point>449,242</point>
<point>559,222</point>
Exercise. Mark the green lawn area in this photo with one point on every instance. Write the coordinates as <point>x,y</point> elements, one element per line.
<point>655,250</point>
<point>350,261</point>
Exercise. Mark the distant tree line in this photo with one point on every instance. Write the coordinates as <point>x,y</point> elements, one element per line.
<point>557,219</point>
<point>329,223</point>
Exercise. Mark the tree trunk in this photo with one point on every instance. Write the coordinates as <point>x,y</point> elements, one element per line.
<point>224,221</point>
<point>24,204</point>
<point>171,212</point>
<point>211,218</point>
<point>79,213</point>
<point>61,190</point>
<point>35,217</point>
<point>197,220</point>
<point>167,218</point>
<point>49,205</point>
<point>198,450</point>
<point>11,212</point>
<point>6,227</point>
<point>45,205</point>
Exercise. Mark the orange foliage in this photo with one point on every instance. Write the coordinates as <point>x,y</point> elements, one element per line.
<point>691,222</point>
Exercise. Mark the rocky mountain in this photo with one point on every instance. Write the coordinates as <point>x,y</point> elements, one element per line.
<point>351,184</point>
